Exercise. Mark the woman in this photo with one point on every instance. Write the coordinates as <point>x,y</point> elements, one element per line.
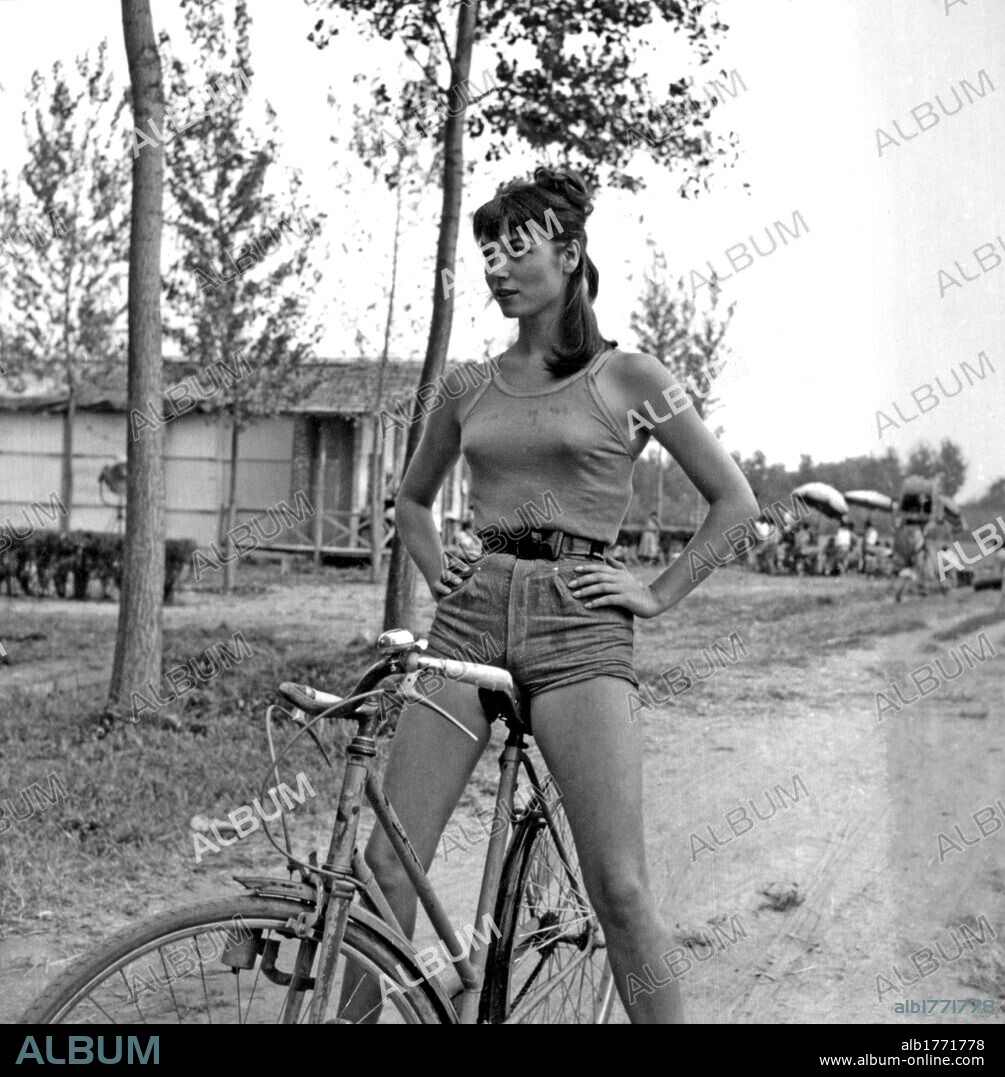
<point>649,547</point>
<point>552,424</point>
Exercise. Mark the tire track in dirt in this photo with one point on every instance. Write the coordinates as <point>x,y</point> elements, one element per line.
<point>865,901</point>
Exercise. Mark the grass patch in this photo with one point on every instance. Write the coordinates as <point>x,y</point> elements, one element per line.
<point>130,791</point>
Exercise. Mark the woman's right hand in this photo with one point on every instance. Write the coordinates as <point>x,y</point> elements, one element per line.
<point>455,571</point>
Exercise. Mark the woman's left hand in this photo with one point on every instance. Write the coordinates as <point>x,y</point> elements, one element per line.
<point>611,584</point>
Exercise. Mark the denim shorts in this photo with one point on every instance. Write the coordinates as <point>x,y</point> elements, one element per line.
<point>520,614</point>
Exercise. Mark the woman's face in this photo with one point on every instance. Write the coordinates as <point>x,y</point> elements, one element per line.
<point>527,274</point>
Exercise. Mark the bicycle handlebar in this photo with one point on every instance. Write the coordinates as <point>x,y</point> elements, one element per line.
<point>312,701</point>
<point>490,677</point>
<point>308,699</point>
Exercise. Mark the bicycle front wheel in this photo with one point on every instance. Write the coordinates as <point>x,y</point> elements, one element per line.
<point>548,964</point>
<point>229,961</point>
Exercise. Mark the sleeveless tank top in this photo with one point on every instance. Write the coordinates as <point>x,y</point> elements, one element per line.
<point>553,459</point>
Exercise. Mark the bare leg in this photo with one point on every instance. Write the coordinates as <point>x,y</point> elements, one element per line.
<point>595,755</point>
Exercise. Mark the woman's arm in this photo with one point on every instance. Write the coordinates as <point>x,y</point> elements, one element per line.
<point>672,420</point>
<point>437,453</point>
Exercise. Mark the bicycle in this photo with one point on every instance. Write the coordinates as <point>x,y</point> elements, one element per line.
<point>312,942</point>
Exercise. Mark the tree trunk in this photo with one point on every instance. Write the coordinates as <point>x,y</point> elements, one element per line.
<point>139,637</point>
<point>230,566</point>
<point>399,603</point>
<point>67,483</point>
<point>377,455</point>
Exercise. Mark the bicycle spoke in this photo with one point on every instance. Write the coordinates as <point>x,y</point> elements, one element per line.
<point>251,998</point>
<point>132,997</point>
<point>160,954</point>
<point>224,993</point>
<point>554,951</point>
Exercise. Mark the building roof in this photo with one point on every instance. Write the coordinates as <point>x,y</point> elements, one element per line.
<point>348,387</point>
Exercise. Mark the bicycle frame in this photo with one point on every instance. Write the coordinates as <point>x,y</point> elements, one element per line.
<point>350,874</point>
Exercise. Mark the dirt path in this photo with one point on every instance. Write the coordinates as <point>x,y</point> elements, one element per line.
<point>858,836</point>
<point>850,807</point>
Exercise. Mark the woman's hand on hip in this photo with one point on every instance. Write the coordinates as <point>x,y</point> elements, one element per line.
<point>456,569</point>
<point>611,584</point>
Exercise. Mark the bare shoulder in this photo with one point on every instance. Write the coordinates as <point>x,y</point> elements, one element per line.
<point>638,369</point>
<point>629,377</point>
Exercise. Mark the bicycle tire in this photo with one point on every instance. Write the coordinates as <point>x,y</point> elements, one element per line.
<point>578,992</point>
<point>239,919</point>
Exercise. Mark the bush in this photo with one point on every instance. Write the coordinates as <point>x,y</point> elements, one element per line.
<point>47,559</point>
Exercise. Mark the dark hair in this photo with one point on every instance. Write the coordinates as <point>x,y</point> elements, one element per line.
<point>521,202</point>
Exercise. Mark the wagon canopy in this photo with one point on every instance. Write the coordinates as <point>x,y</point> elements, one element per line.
<point>823,498</point>
<point>869,499</point>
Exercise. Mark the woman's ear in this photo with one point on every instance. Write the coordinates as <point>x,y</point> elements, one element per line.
<point>572,252</point>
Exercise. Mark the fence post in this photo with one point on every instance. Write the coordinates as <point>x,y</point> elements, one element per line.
<point>320,460</point>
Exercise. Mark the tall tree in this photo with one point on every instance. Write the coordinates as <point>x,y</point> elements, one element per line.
<point>688,341</point>
<point>954,467</point>
<point>577,99</point>
<point>66,284</point>
<point>138,641</point>
<point>243,281</point>
<point>406,177</point>
<point>947,462</point>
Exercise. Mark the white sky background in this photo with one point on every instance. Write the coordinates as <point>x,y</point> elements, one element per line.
<point>832,327</point>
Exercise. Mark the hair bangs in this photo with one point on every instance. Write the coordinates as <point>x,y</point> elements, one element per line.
<point>508,212</point>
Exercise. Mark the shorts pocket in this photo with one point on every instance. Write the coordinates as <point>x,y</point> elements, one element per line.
<point>564,576</point>
<point>464,585</point>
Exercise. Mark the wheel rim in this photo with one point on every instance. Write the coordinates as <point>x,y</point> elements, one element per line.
<point>557,969</point>
<point>188,976</point>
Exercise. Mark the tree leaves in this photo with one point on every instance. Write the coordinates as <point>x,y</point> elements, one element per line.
<point>578,99</point>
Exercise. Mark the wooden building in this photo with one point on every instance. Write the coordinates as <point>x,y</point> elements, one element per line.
<point>320,448</point>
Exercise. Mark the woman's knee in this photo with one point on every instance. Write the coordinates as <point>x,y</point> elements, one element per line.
<point>380,857</point>
<point>621,897</point>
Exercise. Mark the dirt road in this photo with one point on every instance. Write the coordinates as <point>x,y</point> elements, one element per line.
<point>783,816</point>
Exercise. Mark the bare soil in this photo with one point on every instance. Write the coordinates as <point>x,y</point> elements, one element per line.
<point>826,897</point>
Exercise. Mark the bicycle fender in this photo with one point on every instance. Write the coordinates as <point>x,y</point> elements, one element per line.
<point>263,886</point>
<point>406,959</point>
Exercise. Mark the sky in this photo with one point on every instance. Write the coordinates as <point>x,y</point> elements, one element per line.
<point>847,320</point>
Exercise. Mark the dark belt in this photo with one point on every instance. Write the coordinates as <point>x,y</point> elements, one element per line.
<point>543,545</point>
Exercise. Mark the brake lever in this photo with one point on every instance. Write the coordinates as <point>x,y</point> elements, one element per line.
<point>408,688</point>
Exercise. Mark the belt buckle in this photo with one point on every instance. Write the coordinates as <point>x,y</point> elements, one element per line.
<point>527,547</point>
<point>549,544</point>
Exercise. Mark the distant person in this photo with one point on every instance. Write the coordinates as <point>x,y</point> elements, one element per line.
<point>801,549</point>
<point>912,552</point>
<point>649,547</point>
<point>854,562</point>
<point>787,550</point>
<point>870,541</point>
<point>767,549</point>
<point>841,547</point>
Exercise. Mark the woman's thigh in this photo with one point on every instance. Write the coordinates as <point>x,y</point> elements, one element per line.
<point>430,764</point>
<point>594,752</point>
